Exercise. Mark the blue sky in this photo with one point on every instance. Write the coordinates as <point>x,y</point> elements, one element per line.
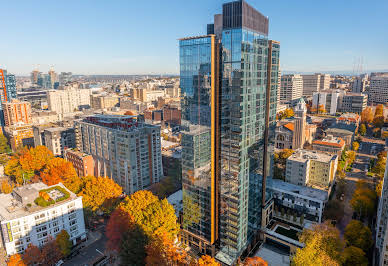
<point>139,37</point>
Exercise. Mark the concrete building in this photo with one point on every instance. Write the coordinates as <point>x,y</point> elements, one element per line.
<point>311,84</point>
<point>382,223</point>
<point>103,101</point>
<point>23,222</point>
<point>327,100</point>
<point>324,82</point>
<point>64,78</point>
<point>353,102</point>
<point>344,134</point>
<point>68,100</point>
<point>56,139</point>
<point>83,163</point>
<point>330,144</point>
<point>311,168</point>
<point>17,112</point>
<point>124,148</point>
<point>360,84</point>
<point>301,200</point>
<point>378,91</point>
<point>20,135</point>
<point>44,117</point>
<point>291,87</point>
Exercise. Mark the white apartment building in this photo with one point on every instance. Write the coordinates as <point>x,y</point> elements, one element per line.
<point>382,223</point>
<point>329,100</point>
<point>311,168</point>
<point>378,91</point>
<point>291,87</point>
<point>124,148</point>
<point>23,222</point>
<point>68,100</point>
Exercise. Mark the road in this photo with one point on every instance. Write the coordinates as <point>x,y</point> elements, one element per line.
<point>89,254</point>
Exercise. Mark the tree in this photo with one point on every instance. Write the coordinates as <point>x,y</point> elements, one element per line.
<point>207,260</point>
<point>355,146</point>
<point>379,110</point>
<point>358,235</point>
<point>154,216</point>
<point>35,159</point>
<point>255,261</point>
<point>50,252</point>
<point>129,113</point>
<point>362,129</point>
<point>379,166</point>
<point>6,188</point>
<point>4,146</point>
<point>367,115</point>
<point>378,121</point>
<point>354,256</point>
<point>161,250</point>
<point>100,193</point>
<point>16,260</point>
<point>334,210</point>
<point>323,246</point>
<point>132,247</point>
<point>64,243</point>
<point>14,169</point>
<point>59,170</point>
<point>321,109</point>
<point>363,199</point>
<point>117,226</point>
<point>289,112</point>
<point>32,255</point>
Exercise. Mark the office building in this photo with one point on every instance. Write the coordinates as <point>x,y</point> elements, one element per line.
<point>83,163</point>
<point>360,84</point>
<point>17,112</point>
<point>291,87</point>
<point>124,148</point>
<point>382,223</point>
<point>64,78</point>
<point>228,121</point>
<point>311,84</point>
<point>68,100</point>
<point>311,168</point>
<point>25,223</point>
<point>327,101</point>
<point>353,102</point>
<point>378,91</point>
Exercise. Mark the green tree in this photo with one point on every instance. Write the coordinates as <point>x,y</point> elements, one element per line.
<point>323,246</point>
<point>354,256</point>
<point>64,243</point>
<point>363,200</point>
<point>358,235</point>
<point>362,129</point>
<point>132,248</point>
<point>4,146</point>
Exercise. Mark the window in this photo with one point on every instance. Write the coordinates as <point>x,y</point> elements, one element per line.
<point>56,229</point>
<point>72,216</point>
<point>73,222</point>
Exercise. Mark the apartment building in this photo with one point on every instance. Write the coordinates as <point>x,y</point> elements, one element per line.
<point>315,83</point>
<point>378,91</point>
<point>124,148</point>
<point>24,222</point>
<point>17,112</point>
<point>353,102</point>
<point>291,87</point>
<point>19,135</point>
<point>56,139</point>
<point>327,100</point>
<point>83,163</point>
<point>68,100</point>
<point>103,101</point>
<point>311,168</point>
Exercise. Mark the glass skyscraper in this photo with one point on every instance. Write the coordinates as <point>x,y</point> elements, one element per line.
<point>229,82</point>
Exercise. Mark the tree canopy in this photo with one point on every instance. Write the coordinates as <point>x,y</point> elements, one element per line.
<point>4,146</point>
<point>358,235</point>
<point>64,243</point>
<point>362,130</point>
<point>255,261</point>
<point>289,112</point>
<point>354,256</point>
<point>363,200</point>
<point>208,261</point>
<point>367,115</point>
<point>16,260</point>
<point>32,255</point>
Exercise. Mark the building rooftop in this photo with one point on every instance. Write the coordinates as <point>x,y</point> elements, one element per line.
<point>339,130</point>
<point>331,141</point>
<point>77,152</point>
<point>277,184</point>
<point>20,202</point>
<point>304,155</point>
<point>289,126</point>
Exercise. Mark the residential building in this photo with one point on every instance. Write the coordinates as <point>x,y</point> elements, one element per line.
<point>353,102</point>
<point>68,100</point>
<point>35,74</point>
<point>228,122</point>
<point>291,87</point>
<point>83,163</point>
<point>17,112</point>
<point>57,139</point>
<point>360,84</point>
<point>311,168</point>
<point>382,223</point>
<point>299,200</point>
<point>25,223</point>
<point>172,115</point>
<point>7,90</point>
<point>327,101</point>
<point>20,135</point>
<point>311,84</point>
<point>378,91</point>
<point>103,101</point>
<point>324,82</point>
<point>329,144</point>
<point>124,148</point>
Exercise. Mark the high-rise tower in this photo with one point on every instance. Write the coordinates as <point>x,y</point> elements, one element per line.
<point>229,81</point>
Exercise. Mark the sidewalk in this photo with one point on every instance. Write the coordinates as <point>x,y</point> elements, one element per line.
<point>92,237</point>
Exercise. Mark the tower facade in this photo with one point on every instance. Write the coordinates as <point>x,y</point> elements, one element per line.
<point>229,83</point>
<point>300,124</point>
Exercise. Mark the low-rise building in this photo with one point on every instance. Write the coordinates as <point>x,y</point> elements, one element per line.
<point>353,102</point>
<point>311,168</point>
<point>24,221</point>
<point>344,134</point>
<point>20,135</point>
<point>44,117</point>
<point>301,200</point>
<point>83,163</point>
<point>330,144</point>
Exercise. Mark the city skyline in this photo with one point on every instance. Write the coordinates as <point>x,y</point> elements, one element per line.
<point>96,38</point>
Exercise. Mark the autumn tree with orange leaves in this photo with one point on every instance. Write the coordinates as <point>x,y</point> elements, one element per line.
<point>206,260</point>
<point>16,260</point>
<point>100,193</point>
<point>6,187</point>
<point>32,255</point>
<point>255,261</point>
<point>117,226</point>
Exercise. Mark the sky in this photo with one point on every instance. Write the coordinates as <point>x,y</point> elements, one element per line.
<point>140,37</point>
